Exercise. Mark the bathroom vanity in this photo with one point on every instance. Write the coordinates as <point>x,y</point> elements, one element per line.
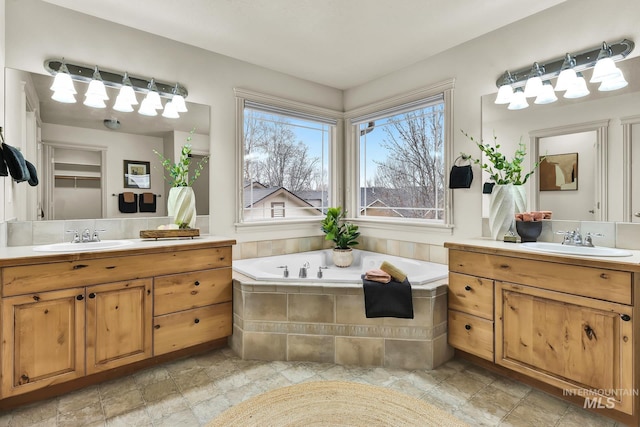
<point>562,323</point>
<point>72,319</point>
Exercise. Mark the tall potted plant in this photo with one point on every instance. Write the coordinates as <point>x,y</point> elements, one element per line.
<point>508,195</point>
<point>181,202</point>
<point>342,233</point>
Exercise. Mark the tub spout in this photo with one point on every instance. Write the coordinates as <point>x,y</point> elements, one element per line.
<point>302,274</point>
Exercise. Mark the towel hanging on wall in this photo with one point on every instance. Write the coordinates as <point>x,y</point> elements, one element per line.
<point>15,163</point>
<point>128,202</point>
<point>461,176</point>
<point>147,202</point>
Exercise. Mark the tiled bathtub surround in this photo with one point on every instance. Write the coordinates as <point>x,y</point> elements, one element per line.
<point>27,233</point>
<point>326,323</point>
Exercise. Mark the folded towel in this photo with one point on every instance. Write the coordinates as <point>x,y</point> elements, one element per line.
<point>33,174</point>
<point>16,163</point>
<point>397,274</point>
<point>393,299</point>
<point>129,197</point>
<point>127,207</point>
<point>377,276</point>
<point>147,202</point>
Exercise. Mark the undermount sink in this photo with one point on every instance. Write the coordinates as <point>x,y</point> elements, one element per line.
<point>559,248</point>
<point>82,247</point>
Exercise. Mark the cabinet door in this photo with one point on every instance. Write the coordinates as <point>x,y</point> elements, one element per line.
<point>575,343</point>
<point>119,324</point>
<point>43,340</point>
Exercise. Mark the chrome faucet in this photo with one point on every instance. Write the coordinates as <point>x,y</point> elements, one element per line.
<point>86,236</point>
<point>302,274</point>
<point>285,273</point>
<point>574,238</point>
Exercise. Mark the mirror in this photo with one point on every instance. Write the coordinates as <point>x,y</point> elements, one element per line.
<point>81,153</point>
<point>597,127</point>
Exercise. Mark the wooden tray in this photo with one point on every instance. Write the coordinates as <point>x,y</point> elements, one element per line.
<point>164,234</point>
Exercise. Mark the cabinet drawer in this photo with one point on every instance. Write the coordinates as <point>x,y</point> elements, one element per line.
<point>471,334</point>
<point>592,282</point>
<point>184,329</point>
<point>26,279</point>
<point>470,294</point>
<point>184,291</point>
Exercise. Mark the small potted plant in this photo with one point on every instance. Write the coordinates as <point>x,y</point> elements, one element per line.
<point>342,233</point>
<point>181,202</point>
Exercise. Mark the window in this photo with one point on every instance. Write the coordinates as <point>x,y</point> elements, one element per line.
<point>285,163</point>
<point>402,161</point>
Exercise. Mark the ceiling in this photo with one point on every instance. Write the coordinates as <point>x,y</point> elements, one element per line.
<point>338,43</point>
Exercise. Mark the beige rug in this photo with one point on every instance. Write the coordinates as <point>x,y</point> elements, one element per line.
<point>334,403</point>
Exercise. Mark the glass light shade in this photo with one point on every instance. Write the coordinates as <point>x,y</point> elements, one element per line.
<point>519,101</point>
<point>533,86</point>
<point>147,109</point>
<point>128,95</point>
<point>97,89</point>
<point>170,111</point>
<point>546,95</point>
<point>64,96</point>
<point>565,79</point>
<point>604,69</point>
<point>578,89</point>
<point>613,83</point>
<point>505,94</point>
<point>178,102</point>
<point>62,83</point>
<point>95,101</point>
<point>154,99</point>
<point>122,104</point>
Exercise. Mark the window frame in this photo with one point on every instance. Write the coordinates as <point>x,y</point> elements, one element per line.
<point>301,110</point>
<point>397,103</point>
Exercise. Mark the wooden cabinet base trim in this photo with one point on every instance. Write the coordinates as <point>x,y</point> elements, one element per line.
<point>626,419</point>
<point>59,389</point>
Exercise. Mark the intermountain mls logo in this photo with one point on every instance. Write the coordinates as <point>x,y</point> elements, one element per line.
<point>600,398</point>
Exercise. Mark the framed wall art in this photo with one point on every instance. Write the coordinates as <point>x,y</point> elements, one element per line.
<point>137,174</point>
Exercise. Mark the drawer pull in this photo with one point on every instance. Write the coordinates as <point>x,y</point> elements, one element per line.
<point>80,297</point>
<point>196,321</point>
<point>467,327</point>
<point>36,298</point>
<point>625,317</point>
<point>157,326</point>
<point>92,295</point>
<point>467,288</point>
<point>197,283</point>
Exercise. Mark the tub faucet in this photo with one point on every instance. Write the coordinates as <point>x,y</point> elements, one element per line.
<point>285,273</point>
<point>302,274</point>
<point>320,271</point>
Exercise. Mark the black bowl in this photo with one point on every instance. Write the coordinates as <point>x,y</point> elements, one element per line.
<point>529,230</point>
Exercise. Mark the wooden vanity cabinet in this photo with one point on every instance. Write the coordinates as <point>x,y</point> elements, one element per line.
<point>63,320</point>
<point>561,322</point>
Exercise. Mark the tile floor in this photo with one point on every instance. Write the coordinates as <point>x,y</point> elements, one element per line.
<point>192,391</point>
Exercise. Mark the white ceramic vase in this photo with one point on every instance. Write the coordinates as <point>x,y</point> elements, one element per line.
<point>181,206</point>
<point>342,257</point>
<point>506,201</point>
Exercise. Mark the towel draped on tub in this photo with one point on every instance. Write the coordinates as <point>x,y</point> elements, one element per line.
<point>393,299</point>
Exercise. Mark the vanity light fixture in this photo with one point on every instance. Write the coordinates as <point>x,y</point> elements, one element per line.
<point>546,95</point>
<point>127,84</point>
<point>178,101</point>
<point>518,101</point>
<point>96,93</point>
<point>170,111</point>
<point>601,58</point>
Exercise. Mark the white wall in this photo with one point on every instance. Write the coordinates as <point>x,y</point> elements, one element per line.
<point>209,78</point>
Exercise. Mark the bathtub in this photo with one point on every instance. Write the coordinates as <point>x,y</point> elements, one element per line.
<point>273,268</point>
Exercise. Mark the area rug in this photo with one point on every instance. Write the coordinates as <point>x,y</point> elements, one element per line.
<point>334,403</point>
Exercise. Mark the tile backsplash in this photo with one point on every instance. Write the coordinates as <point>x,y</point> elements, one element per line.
<point>26,233</point>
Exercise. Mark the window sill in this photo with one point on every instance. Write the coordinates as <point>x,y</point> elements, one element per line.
<point>404,225</point>
<point>284,225</point>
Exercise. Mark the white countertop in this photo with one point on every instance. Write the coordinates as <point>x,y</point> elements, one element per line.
<point>14,252</point>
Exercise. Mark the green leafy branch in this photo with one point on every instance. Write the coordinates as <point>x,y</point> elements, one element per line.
<point>179,172</point>
<point>501,170</point>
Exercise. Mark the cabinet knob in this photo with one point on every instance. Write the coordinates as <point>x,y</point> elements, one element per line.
<point>92,295</point>
<point>467,288</point>
<point>467,327</point>
<point>80,297</point>
<point>196,321</point>
<point>625,317</point>
<point>197,283</point>
<point>157,326</point>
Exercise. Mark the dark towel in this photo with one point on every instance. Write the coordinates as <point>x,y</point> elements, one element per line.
<point>33,174</point>
<point>125,207</point>
<point>460,176</point>
<point>3,166</point>
<point>393,299</point>
<point>147,202</point>
<point>15,162</point>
